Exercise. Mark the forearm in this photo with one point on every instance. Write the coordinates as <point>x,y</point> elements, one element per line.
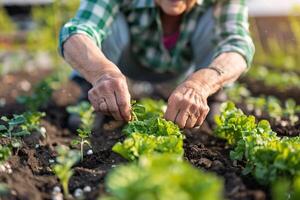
<point>86,58</point>
<point>229,67</point>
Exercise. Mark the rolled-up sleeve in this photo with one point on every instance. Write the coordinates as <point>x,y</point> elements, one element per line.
<point>232,29</point>
<point>92,19</point>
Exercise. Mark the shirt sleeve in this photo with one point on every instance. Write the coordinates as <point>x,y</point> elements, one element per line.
<point>232,29</point>
<point>92,19</point>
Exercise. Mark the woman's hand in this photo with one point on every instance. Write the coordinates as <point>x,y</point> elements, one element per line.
<point>110,95</point>
<point>187,105</point>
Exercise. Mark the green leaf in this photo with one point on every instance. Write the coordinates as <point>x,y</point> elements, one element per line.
<point>162,176</point>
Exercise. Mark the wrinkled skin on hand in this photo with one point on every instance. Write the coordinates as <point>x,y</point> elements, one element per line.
<point>110,95</point>
<point>187,105</point>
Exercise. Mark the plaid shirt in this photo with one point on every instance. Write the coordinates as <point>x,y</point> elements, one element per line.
<point>94,18</point>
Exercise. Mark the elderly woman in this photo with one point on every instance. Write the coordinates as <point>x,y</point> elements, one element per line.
<point>195,46</point>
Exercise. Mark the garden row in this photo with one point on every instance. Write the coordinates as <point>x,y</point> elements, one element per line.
<point>156,146</point>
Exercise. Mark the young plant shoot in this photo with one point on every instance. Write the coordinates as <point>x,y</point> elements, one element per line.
<point>63,168</point>
<point>86,113</point>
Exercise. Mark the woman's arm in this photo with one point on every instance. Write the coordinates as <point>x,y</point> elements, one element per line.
<point>80,44</point>
<point>187,105</point>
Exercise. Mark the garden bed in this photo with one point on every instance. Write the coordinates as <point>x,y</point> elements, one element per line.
<point>32,177</point>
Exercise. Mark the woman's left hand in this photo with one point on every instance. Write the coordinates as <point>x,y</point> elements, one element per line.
<point>187,105</point>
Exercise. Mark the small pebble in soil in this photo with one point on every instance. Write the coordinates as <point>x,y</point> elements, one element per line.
<point>57,196</point>
<point>89,152</point>
<point>284,123</point>
<point>205,162</point>
<point>87,189</point>
<point>43,131</point>
<point>25,85</point>
<point>78,192</point>
<point>56,189</point>
<point>6,168</point>
<point>51,161</point>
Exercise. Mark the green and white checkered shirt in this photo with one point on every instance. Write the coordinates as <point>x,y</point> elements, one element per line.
<point>94,18</point>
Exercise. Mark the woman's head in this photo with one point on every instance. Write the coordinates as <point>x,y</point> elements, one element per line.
<point>175,7</point>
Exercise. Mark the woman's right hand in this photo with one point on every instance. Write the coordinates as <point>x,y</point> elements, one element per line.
<point>110,95</point>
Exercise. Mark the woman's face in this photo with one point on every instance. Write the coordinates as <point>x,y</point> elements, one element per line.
<point>175,7</point>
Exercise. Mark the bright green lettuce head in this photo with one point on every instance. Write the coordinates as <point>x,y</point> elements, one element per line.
<point>162,177</point>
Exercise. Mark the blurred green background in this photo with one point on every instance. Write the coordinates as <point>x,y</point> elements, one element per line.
<point>29,33</point>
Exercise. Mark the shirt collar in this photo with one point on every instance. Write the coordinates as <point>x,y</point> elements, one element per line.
<point>151,3</point>
<point>143,3</point>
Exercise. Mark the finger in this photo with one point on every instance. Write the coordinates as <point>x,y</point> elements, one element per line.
<point>202,117</point>
<point>113,107</point>
<point>173,107</point>
<point>182,118</point>
<point>191,121</point>
<point>123,102</point>
<point>103,106</point>
<point>172,110</point>
<point>92,98</point>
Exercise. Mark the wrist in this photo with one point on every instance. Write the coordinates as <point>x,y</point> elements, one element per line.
<point>106,70</point>
<point>200,86</point>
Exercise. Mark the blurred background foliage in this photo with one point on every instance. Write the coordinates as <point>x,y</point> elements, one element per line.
<point>39,42</point>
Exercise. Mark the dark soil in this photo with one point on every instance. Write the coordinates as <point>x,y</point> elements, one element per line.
<point>33,179</point>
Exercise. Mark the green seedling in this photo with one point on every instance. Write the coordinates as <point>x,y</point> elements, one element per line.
<point>14,129</point>
<point>82,140</point>
<point>21,125</point>
<point>290,111</point>
<point>63,168</point>
<point>5,153</point>
<point>86,113</point>
<point>41,94</point>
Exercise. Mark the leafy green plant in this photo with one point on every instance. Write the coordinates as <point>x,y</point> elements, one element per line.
<point>265,106</point>
<point>20,125</point>
<point>14,126</point>
<point>149,133</point>
<point>86,113</point>
<point>280,80</point>
<point>5,153</point>
<point>160,177</point>
<point>42,93</point>
<point>291,110</point>
<point>286,189</point>
<point>63,168</point>
<point>82,140</point>
<point>267,156</point>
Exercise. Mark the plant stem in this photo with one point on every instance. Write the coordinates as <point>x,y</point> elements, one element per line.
<point>65,188</point>
<point>81,149</point>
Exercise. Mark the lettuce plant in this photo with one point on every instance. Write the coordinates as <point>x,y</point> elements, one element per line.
<point>268,157</point>
<point>286,189</point>
<point>149,133</point>
<point>160,177</point>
